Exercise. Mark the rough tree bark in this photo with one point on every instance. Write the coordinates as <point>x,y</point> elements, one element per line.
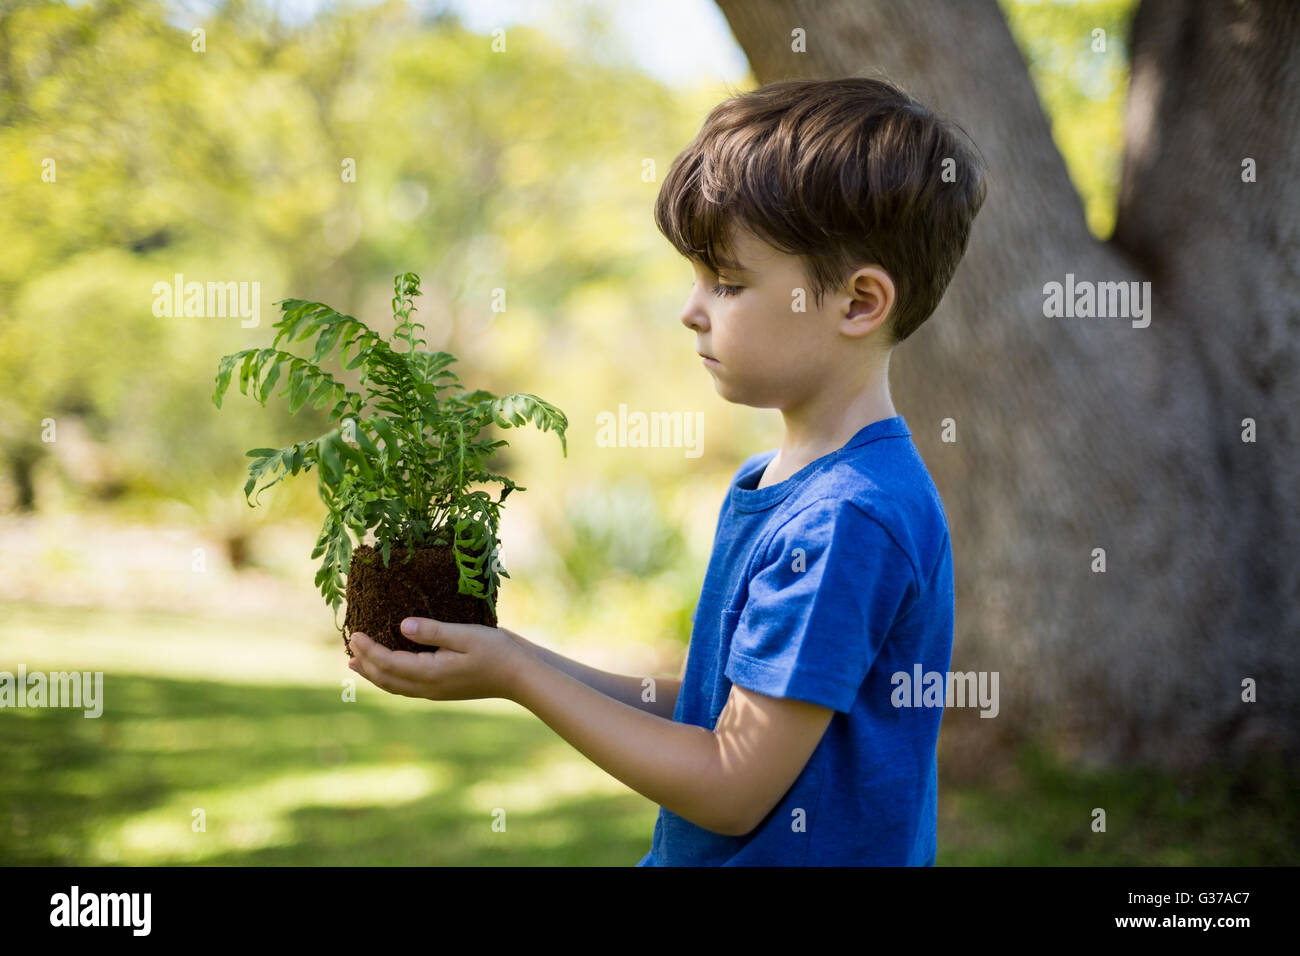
<point>1077,434</point>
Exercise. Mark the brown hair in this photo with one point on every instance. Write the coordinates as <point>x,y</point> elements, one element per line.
<point>842,173</point>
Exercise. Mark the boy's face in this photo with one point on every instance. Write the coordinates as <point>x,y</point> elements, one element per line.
<point>767,355</point>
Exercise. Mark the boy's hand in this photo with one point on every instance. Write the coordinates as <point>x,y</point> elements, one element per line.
<point>472,661</point>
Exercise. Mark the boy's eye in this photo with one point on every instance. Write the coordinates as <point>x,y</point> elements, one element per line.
<point>727,290</point>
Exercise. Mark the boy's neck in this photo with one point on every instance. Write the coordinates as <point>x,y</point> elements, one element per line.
<point>825,422</point>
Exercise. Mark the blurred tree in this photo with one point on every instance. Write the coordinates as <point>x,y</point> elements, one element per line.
<point>527,219</point>
<point>229,165</point>
<point>1098,434</point>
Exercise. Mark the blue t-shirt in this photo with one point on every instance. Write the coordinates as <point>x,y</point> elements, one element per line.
<point>821,588</point>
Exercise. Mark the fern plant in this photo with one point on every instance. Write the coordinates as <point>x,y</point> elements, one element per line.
<point>400,458</point>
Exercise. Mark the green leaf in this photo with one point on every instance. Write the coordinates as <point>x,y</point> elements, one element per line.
<point>329,457</point>
<point>265,487</point>
<point>224,371</point>
<point>298,392</point>
<point>356,455</point>
<point>324,391</point>
<point>269,382</point>
<point>244,370</point>
<point>386,432</point>
<point>362,354</point>
<point>345,549</point>
<point>314,319</point>
<point>363,440</point>
<point>326,341</point>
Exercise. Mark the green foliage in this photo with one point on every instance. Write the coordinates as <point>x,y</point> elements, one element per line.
<point>1081,84</point>
<point>402,471</point>
<point>619,528</point>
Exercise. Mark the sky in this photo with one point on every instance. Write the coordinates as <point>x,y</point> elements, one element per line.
<point>680,42</point>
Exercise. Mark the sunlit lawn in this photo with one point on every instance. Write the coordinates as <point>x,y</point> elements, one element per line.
<point>284,770</point>
<point>287,775</point>
<point>249,726</point>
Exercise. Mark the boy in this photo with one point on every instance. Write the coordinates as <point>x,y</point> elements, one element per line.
<point>784,742</point>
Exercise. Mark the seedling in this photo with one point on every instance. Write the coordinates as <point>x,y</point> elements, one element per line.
<point>399,463</point>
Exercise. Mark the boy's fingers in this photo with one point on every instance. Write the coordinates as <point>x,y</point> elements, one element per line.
<point>399,672</point>
<point>376,654</point>
<point>425,630</point>
<point>386,680</point>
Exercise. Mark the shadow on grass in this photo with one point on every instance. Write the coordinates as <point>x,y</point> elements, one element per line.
<point>293,775</point>
<point>1043,813</point>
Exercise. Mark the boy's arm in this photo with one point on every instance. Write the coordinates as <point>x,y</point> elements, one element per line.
<point>765,744</point>
<point>724,781</point>
<point>627,689</point>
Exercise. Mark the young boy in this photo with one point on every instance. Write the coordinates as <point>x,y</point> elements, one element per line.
<point>785,741</point>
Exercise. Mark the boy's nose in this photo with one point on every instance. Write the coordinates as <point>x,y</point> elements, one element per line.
<point>692,318</point>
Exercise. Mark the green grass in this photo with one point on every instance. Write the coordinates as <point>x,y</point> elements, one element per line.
<point>246,722</point>
<point>1042,815</point>
<point>287,775</point>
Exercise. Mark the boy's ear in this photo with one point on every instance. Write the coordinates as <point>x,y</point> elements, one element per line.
<point>869,299</point>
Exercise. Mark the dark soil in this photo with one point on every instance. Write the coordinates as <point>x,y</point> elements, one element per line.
<point>379,598</point>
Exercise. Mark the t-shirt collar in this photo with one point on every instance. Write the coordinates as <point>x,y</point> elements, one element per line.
<point>745,497</point>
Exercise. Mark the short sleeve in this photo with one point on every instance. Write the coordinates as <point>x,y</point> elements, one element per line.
<point>832,583</point>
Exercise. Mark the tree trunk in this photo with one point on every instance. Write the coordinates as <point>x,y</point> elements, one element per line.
<point>1075,434</point>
